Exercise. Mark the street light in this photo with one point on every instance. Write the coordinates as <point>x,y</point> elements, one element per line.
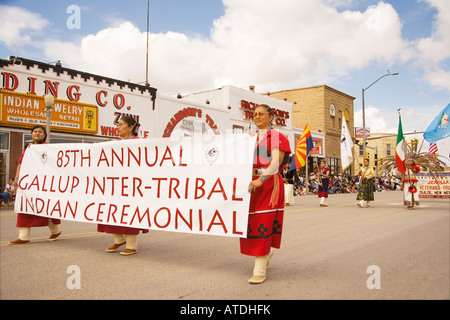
<point>364,109</point>
<point>49,99</point>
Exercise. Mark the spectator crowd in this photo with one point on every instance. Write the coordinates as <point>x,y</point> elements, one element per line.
<point>341,183</point>
<point>8,194</point>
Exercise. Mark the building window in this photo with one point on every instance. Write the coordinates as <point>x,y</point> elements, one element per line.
<point>334,166</point>
<point>346,114</point>
<point>4,160</point>
<point>388,149</point>
<point>348,171</point>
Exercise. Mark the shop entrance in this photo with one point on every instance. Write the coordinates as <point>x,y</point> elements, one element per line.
<point>4,159</point>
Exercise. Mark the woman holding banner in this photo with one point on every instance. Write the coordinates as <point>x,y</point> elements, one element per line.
<point>267,194</point>
<point>26,221</point>
<point>128,129</point>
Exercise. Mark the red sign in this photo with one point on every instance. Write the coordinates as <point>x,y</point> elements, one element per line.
<point>359,132</point>
<point>188,112</point>
<point>280,115</point>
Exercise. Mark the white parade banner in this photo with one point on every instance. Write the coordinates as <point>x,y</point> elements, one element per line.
<point>195,184</point>
<point>428,187</point>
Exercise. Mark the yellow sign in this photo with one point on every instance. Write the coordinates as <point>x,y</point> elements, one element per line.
<point>28,110</point>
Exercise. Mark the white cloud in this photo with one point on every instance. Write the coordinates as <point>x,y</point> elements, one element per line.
<point>16,25</point>
<point>439,79</point>
<point>294,43</point>
<point>433,50</point>
<point>436,47</point>
<point>414,118</point>
<point>176,61</point>
<point>273,45</point>
<point>377,120</point>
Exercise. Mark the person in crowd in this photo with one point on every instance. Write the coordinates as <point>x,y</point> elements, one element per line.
<point>288,185</point>
<point>365,193</point>
<point>7,196</point>
<point>267,194</point>
<point>341,184</point>
<point>324,178</point>
<point>4,198</point>
<point>11,190</point>
<point>128,129</point>
<point>26,221</point>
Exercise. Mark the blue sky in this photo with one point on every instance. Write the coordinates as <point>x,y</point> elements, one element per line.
<point>199,45</point>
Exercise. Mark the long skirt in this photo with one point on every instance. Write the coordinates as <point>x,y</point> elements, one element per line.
<point>323,190</point>
<point>265,221</point>
<point>366,190</point>
<point>29,220</point>
<point>289,193</point>
<point>119,230</point>
<point>407,195</point>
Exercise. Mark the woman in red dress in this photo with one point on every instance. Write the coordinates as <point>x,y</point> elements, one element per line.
<point>266,211</point>
<point>324,174</point>
<point>128,129</point>
<point>26,221</point>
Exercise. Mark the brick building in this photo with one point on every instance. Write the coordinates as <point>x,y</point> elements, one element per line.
<point>379,145</point>
<point>322,107</point>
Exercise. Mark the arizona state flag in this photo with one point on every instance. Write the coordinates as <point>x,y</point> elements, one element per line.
<point>304,146</point>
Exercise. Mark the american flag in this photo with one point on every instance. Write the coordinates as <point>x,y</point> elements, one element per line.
<point>432,149</point>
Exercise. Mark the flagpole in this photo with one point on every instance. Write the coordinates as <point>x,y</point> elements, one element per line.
<point>363,108</point>
<point>306,173</point>
<point>421,145</point>
<point>146,56</point>
<point>404,139</point>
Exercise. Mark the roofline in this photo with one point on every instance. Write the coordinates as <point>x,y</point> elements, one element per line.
<point>58,69</point>
<point>313,87</point>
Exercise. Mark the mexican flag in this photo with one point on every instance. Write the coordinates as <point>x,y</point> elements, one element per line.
<point>400,149</point>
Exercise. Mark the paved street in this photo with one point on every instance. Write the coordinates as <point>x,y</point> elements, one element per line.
<point>326,253</point>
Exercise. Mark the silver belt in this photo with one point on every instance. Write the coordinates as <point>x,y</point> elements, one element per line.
<point>259,171</point>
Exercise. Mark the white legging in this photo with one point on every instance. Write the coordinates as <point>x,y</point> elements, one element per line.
<point>24,232</point>
<point>130,239</point>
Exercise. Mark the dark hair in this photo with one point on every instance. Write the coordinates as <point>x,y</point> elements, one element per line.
<point>131,122</point>
<point>269,109</point>
<point>43,128</point>
<point>367,159</point>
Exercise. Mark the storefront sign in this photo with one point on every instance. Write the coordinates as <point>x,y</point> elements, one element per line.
<point>280,116</point>
<point>317,150</point>
<point>359,132</point>
<point>185,120</point>
<point>28,110</point>
<point>71,92</point>
<point>111,98</point>
<point>157,184</point>
<point>318,147</point>
<point>430,188</point>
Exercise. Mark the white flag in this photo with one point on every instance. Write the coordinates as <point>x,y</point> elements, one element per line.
<point>346,145</point>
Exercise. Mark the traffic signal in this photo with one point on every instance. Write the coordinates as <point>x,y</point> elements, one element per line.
<point>376,159</point>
